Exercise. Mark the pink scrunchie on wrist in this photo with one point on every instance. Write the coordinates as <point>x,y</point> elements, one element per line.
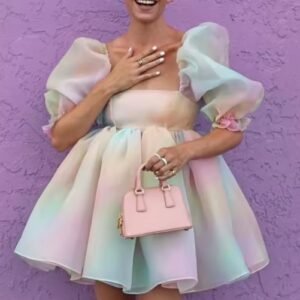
<point>229,122</point>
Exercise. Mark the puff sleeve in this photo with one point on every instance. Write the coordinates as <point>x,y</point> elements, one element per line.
<point>204,73</point>
<point>83,65</point>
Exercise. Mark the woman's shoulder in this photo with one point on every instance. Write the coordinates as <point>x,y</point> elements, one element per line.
<point>83,50</point>
<point>208,31</point>
<point>207,38</point>
<point>208,26</point>
<point>85,58</point>
<point>82,43</point>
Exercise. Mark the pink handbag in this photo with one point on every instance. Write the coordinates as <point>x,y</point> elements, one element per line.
<point>152,210</point>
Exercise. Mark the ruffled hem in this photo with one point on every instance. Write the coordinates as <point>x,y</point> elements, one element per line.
<point>48,127</point>
<point>171,283</point>
<point>58,105</point>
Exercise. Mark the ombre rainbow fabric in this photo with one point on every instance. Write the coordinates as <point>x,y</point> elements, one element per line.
<point>74,222</point>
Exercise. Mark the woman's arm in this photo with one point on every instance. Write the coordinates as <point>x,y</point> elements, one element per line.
<point>214,143</point>
<point>126,73</point>
<point>217,142</point>
<point>76,123</point>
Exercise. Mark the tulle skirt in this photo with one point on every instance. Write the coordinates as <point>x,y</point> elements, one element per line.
<point>74,223</point>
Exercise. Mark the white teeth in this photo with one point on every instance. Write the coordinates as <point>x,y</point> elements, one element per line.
<point>145,2</point>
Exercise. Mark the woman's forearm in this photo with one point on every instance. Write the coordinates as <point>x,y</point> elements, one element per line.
<point>214,143</point>
<point>76,123</point>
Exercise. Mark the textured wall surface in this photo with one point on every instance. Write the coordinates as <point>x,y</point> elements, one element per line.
<point>265,43</point>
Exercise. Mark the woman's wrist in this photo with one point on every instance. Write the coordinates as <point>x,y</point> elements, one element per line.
<point>217,142</point>
<point>188,149</point>
<point>105,89</point>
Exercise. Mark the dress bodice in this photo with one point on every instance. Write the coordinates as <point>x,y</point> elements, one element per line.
<point>140,108</point>
<point>204,73</point>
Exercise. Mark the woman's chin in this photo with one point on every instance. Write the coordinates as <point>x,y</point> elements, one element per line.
<point>145,18</point>
<point>145,13</point>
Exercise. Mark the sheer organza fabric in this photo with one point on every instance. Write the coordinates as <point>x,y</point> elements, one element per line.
<point>74,223</point>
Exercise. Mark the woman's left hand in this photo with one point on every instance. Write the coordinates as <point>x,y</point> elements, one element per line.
<point>175,157</point>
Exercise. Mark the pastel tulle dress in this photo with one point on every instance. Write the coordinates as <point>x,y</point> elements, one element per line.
<point>74,223</point>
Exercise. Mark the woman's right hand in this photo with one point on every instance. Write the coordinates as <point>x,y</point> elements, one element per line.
<point>128,72</point>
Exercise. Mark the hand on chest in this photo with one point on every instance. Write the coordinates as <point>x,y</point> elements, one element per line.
<point>168,78</point>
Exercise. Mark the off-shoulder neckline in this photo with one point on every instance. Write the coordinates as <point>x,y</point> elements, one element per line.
<point>185,33</point>
<point>177,61</point>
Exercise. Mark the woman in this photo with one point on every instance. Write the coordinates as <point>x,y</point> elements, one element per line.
<point>135,100</point>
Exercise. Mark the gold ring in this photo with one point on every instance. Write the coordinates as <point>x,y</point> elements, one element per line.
<point>140,62</point>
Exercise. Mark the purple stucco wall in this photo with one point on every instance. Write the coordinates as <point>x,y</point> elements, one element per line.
<point>265,43</point>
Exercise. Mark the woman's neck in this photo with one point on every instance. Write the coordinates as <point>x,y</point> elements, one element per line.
<point>149,34</point>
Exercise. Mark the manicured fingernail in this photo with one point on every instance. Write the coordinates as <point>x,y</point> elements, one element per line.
<point>161,53</point>
<point>161,59</point>
<point>154,48</point>
<point>157,72</point>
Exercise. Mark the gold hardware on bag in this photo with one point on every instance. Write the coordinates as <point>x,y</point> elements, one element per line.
<point>120,223</point>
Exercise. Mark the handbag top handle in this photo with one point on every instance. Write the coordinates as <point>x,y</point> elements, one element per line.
<point>138,183</point>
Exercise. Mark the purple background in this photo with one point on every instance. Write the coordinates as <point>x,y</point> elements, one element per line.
<point>265,43</point>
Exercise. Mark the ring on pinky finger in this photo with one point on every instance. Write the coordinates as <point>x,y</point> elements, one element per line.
<point>171,173</point>
<point>168,168</point>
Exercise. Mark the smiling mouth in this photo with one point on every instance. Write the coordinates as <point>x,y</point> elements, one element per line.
<point>146,2</point>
